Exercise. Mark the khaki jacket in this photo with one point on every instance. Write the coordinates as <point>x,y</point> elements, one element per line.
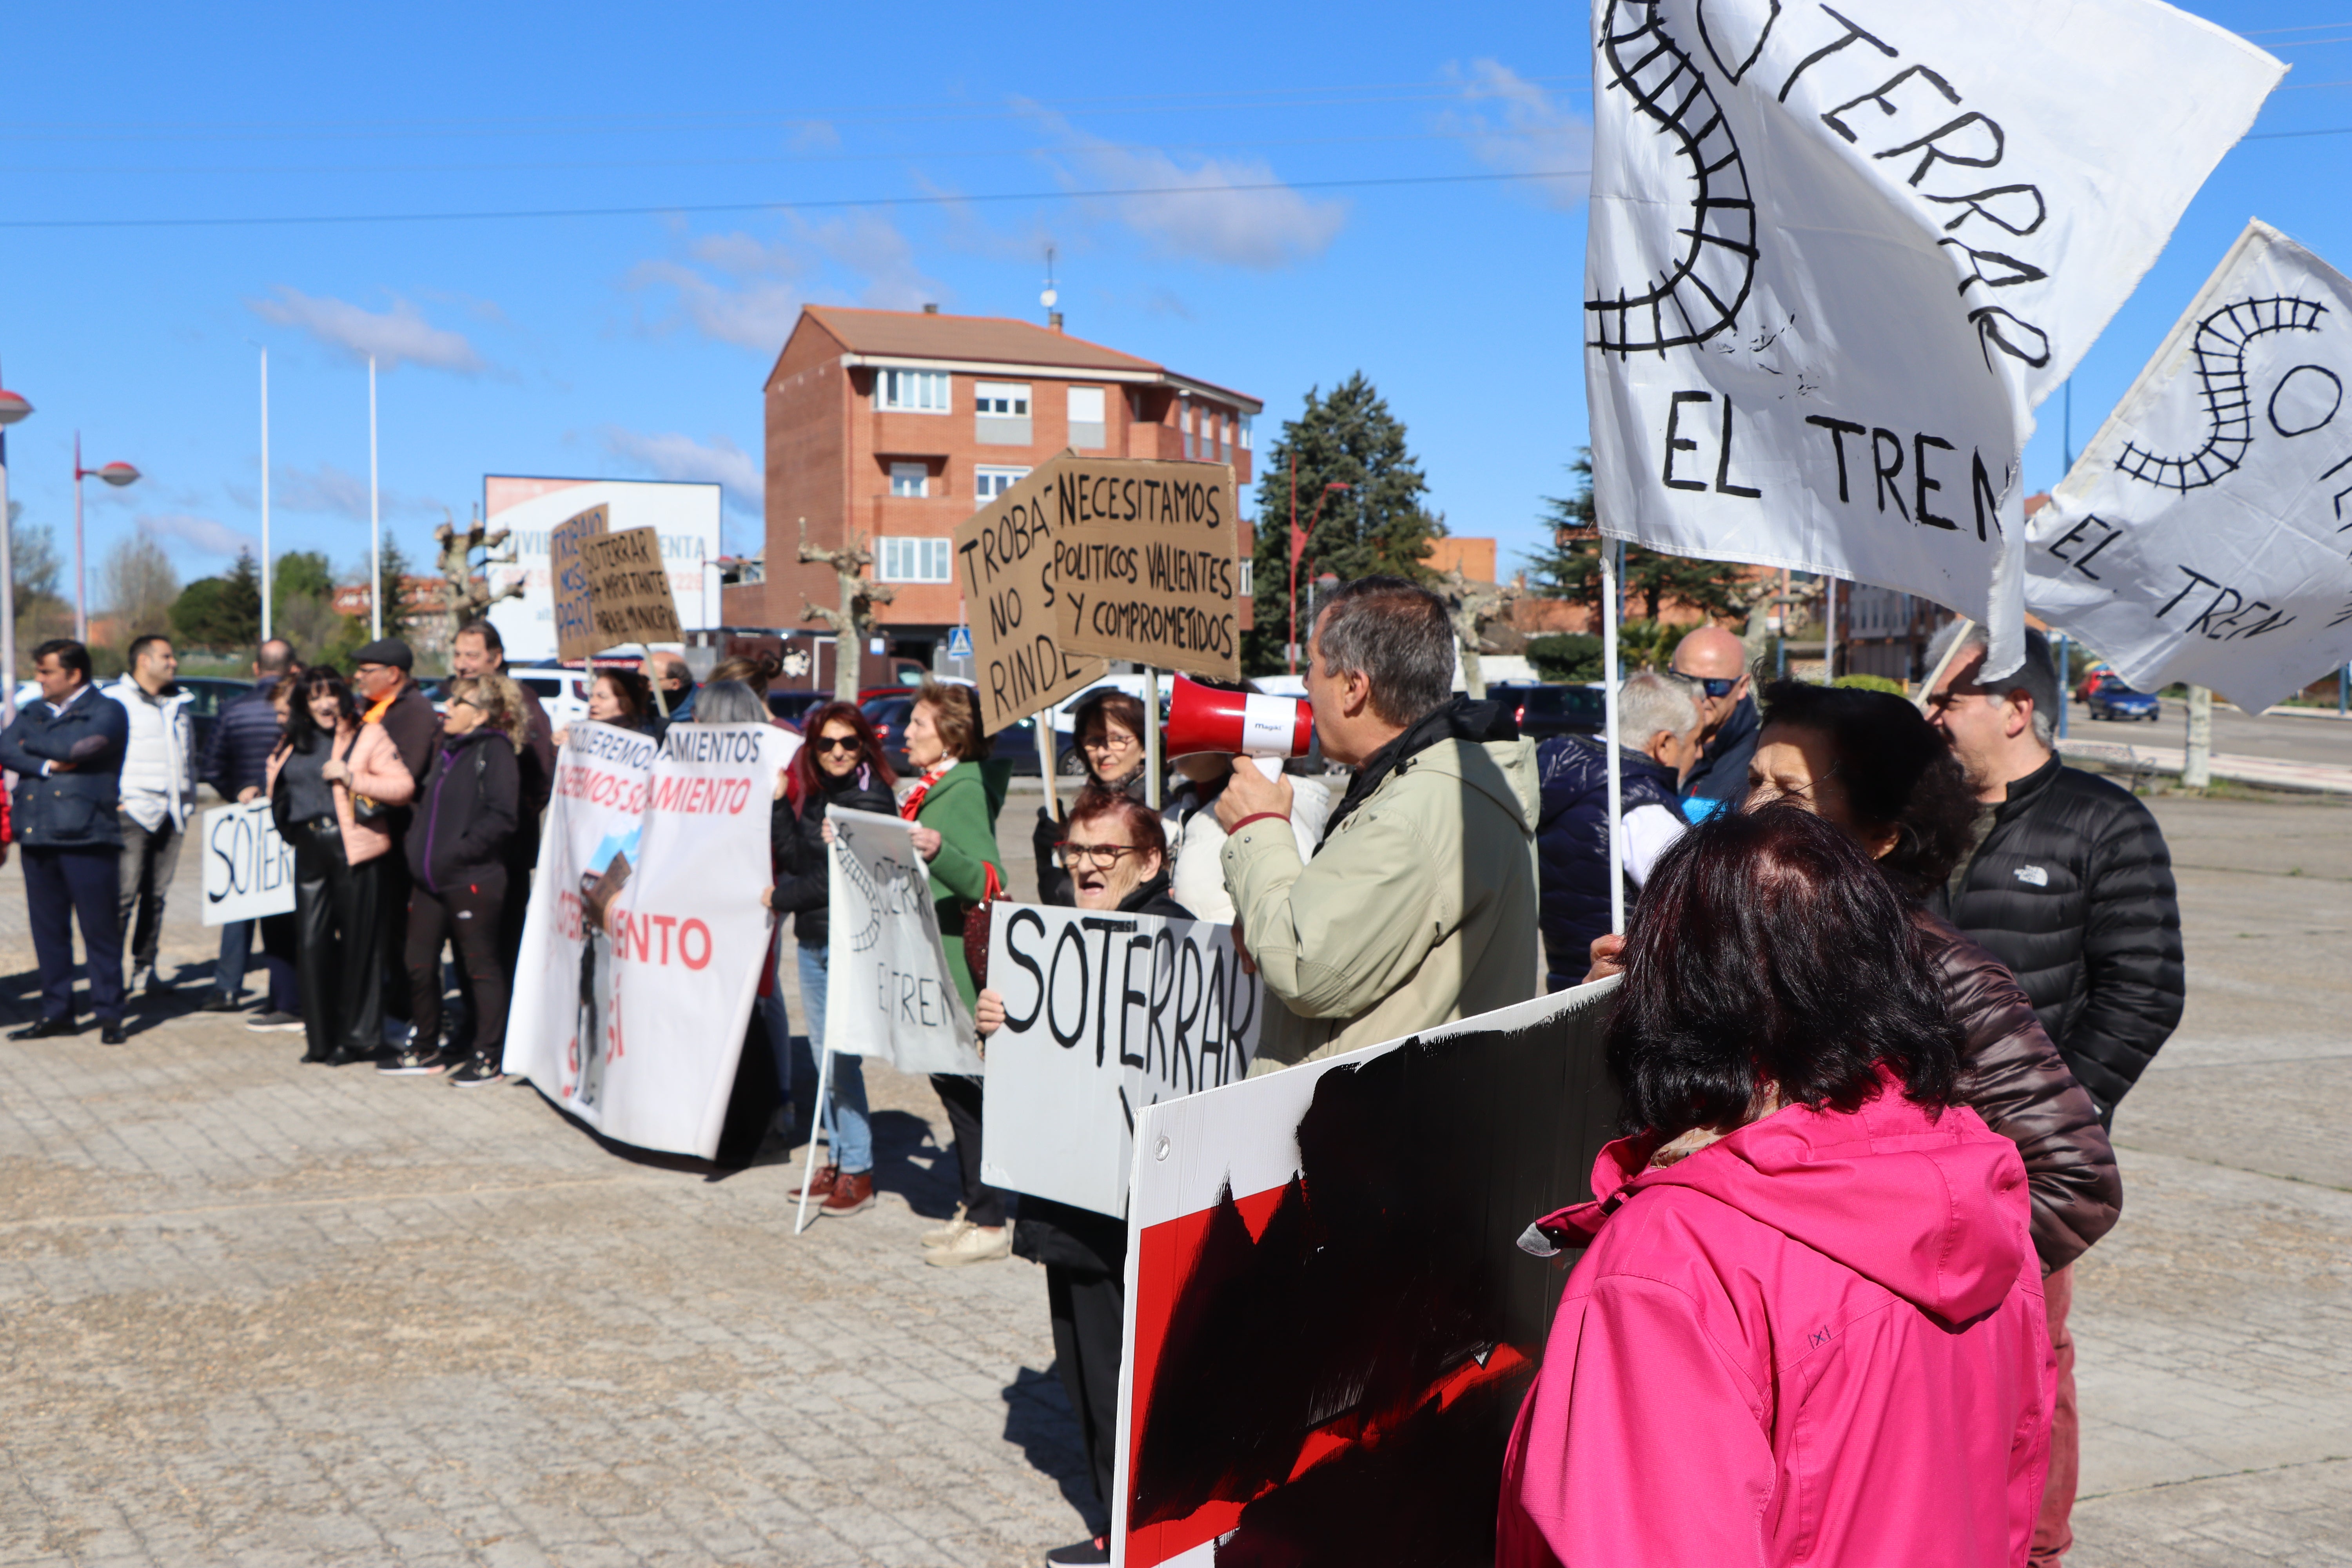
<point>1419,910</point>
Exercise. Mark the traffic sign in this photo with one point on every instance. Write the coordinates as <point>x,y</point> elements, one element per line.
<point>960,642</point>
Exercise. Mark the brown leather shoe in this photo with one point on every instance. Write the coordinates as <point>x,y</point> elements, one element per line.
<point>852,1193</point>
<point>819,1185</point>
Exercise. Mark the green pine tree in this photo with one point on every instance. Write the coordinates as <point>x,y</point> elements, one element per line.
<point>396,618</point>
<point>1571,570</point>
<point>224,612</point>
<point>1377,524</point>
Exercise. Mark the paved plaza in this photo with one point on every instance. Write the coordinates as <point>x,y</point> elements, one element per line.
<point>256,1312</point>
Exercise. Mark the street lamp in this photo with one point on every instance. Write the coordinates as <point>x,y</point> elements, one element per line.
<point>115,474</point>
<point>1298,546</point>
<point>13,408</point>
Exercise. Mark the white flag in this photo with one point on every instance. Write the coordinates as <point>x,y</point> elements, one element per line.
<point>2206,532</point>
<point>1837,256</point>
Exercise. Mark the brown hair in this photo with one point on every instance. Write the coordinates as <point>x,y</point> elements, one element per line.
<point>955,713</point>
<point>1137,821</point>
<point>1107,705</point>
<point>757,670</point>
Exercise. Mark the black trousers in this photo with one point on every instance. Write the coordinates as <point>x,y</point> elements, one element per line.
<point>338,918</point>
<point>1089,1312</point>
<point>982,1205</point>
<point>391,930</point>
<point>62,885</point>
<point>466,918</point>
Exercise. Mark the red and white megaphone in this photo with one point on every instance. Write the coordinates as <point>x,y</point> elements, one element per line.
<point>1237,724</point>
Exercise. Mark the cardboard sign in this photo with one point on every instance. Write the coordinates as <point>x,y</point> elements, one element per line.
<point>1325,1347</point>
<point>1104,1015</point>
<point>576,634</point>
<point>645,940</point>
<point>1004,568</point>
<point>890,995</point>
<point>2201,535</point>
<point>248,870</point>
<point>1837,254</point>
<point>628,588</point>
<point>1145,560</point>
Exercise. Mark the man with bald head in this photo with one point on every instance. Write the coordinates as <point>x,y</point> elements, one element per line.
<point>1717,662</point>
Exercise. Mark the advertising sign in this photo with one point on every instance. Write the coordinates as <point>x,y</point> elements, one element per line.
<point>684,517</point>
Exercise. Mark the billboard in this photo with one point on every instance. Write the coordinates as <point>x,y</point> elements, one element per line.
<point>685,517</point>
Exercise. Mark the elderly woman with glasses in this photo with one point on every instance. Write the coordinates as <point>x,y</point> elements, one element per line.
<point>1110,728</point>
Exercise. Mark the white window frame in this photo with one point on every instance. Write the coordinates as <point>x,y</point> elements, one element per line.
<point>983,474</point>
<point>914,558</point>
<point>914,390</point>
<point>1248,580</point>
<point>1245,433</point>
<point>1014,394</point>
<point>920,473</point>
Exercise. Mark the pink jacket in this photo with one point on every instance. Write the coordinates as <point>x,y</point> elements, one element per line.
<point>1820,1340</point>
<point>377,773</point>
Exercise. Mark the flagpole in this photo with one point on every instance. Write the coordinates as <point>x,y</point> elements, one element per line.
<point>1612,554</point>
<point>264,499</point>
<point>376,522</point>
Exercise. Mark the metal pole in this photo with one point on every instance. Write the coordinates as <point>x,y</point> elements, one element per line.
<point>376,528</point>
<point>8,595</point>
<point>2058,651</point>
<point>1610,554</point>
<point>266,584</point>
<point>81,579</point>
<point>1152,782</point>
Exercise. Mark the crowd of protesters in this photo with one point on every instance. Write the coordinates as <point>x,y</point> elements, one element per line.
<point>1887,971</point>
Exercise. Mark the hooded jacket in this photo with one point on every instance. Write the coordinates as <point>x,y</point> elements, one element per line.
<point>1418,908</point>
<point>2072,887</point>
<point>467,812</point>
<point>1820,1340</point>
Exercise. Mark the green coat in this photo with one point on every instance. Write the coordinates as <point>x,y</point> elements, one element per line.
<point>962,808</point>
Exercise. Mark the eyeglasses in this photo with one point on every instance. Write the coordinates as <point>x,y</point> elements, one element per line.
<point>835,743</point>
<point>464,703</point>
<point>1713,685</point>
<point>1099,742</point>
<point>1102,857</point>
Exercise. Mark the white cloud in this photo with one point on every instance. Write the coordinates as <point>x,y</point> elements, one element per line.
<point>1520,129</point>
<point>740,289</point>
<point>674,457</point>
<point>202,534</point>
<point>1231,212</point>
<point>338,492</point>
<point>395,337</point>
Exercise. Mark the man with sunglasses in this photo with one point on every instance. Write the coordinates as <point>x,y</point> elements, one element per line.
<point>1717,662</point>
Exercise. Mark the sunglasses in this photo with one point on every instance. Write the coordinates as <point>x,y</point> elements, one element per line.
<point>1714,686</point>
<point>835,743</point>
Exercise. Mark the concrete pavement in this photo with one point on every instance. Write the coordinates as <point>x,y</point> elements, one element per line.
<point>259,1312</point>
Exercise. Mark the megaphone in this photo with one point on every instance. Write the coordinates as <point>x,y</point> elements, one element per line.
<point>1237,724</point>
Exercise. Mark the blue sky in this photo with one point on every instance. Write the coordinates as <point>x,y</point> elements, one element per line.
<point>937,146</point>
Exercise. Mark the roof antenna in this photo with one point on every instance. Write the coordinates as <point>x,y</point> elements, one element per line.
<point>1052,296</point>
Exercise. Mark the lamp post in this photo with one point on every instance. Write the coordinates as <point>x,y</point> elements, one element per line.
<point>1298,546</point>
<point>115,474</point>
<point>12,408</point>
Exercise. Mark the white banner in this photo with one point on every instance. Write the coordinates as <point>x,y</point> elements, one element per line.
<point>889,995</point>
<point>1837,256</point>
<point>248,870</point>
<point>1104,1013</point>
<point>646,939</point>
<point>2205,533</point>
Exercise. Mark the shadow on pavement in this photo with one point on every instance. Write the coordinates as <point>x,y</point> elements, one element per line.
<point>1037,1418</point>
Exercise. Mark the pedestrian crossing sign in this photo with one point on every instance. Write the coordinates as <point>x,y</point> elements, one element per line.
<point>960,642</point>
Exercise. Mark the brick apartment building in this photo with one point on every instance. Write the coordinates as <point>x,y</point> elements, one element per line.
<point>892,426</point>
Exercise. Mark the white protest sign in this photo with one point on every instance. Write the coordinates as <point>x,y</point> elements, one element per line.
<point>248,870</point>
<point>2205,533</point>
<point>1837,256</point>
<point>889,995</point>
<point>1104,1013</point>
<point>646,937</point>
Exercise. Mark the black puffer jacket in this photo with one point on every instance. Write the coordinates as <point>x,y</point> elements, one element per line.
<point>2012,1077</point>
<point>2072,888</point>
<point>796,841</point>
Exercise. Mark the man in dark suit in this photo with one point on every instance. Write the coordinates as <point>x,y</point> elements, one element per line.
<point>66,752</point>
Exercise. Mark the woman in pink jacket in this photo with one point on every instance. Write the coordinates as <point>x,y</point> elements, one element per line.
<point>332,780</point>
<point>1809,1326</point>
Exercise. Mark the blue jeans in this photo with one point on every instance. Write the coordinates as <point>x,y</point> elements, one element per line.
<point>846,1128</point>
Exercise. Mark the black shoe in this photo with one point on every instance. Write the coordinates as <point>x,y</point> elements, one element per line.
<point>340,1058</point>
<point>221,1002</point>
<point>477,1073</point>
<point>110,1034</point>
<point>1097,1550</point>
<point>47,1030</point>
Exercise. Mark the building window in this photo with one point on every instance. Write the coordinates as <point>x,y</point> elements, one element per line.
<point>912,391</point>
<point>910,480</point>
<point>1002,398</point>
<point>914,560</point>
<point>1245,433</point>
<point>1087,426</point>
<point>990,483</point>
<point>1249,580</point>
<point>1184,423</point>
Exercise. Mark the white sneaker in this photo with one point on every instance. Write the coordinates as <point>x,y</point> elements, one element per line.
<point>977,1244</point>
<point>949,1234</point>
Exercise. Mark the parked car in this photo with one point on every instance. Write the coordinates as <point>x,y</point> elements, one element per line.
<point>2113,699</point>
<point>563,692</point>
<point>2097,676</point>
<point>1548,710</point>
<point>212,693</point>
<point>1015,743</point>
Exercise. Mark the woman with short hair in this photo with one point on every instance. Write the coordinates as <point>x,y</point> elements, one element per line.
<point>1808,1326</point>
<point>958,791</point>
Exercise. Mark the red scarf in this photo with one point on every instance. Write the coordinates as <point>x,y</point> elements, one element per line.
<point>914,801</point>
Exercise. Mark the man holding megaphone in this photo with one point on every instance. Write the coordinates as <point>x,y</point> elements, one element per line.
<point>1420,905</point>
